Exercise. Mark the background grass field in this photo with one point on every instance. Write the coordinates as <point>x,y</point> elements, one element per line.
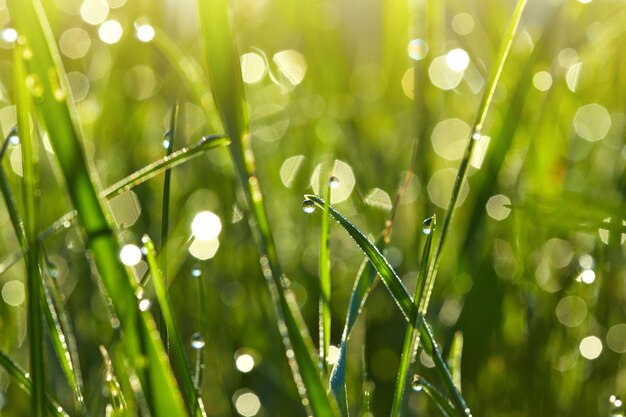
<point>533,270</point>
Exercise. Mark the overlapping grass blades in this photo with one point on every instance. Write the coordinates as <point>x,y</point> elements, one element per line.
<point>192,399</point>
<point>402,299</point>
<point>30,172</point>
<point>25,382</point>
<point>49,89</point>
<point>227,89</point>
<point>411,343</point>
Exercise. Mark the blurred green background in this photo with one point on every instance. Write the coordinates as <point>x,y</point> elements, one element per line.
<point>534,271</point>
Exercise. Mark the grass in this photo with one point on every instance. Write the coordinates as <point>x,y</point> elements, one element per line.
<point>505,301</point>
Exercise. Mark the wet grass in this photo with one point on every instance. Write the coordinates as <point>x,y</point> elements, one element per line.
<point>507,231</point>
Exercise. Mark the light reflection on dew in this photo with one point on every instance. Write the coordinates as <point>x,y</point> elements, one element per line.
<point>442,76</point>
<point>253,68</point>
<point>542,80</point>
<point>463,23</point>
<point>590,347</point>
<point>244,362</point>
<point>144,32</point>
<point>345,177</point>
<point>130,255</point>
<point>9,35</point>
<point>247,403</point>
<point>197,341</point>
<point>457,60</point>
<point>144,304</point>
<point>417,49</point>
<point>379,199</point>
<point>449,138</point>
<point>498,207</point>
<point>291,64</point>
<point>206,226</point>
<point>592,122</point>
<point>110,32</point>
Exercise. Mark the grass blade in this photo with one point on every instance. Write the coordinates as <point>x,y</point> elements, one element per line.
<point>475,135</point>
<point>324,268</point>
<point>118,404</point>
<point>24,382</point>
<point>165,216</point>
<point>50,90</point>
<point>30,170</point>
<point>401,298</point>
<point>128,183</point>
<point>178,350</point>
<point>227,89</point>
<point>411,342</point>
<point>454,361</point>
<point>421,384</point>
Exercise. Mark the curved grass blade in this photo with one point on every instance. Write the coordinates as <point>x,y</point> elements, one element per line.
<point>30,172</point>
<point>128,183</point>
<point>324,268</point>
<point>50,90</point>
<point>401,298</point>
<point>475,135</point>
<point>227,89</point>
<point>26,384</point>
<point>411,342</point>
<point>181,363</point>
<point>454,361</point>
<point>421,384</point>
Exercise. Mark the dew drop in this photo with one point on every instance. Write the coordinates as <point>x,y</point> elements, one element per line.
<point>196,272</point>
<point>197,341</point>
<point>308,206</point>
<point>477,136</point>
<point>14,139</point>
<point>144,304</point>
<point>33,83</point>
<point>417,383</point>
<point>427,226</point>
<point>333,182</point>
<point>166,144</point>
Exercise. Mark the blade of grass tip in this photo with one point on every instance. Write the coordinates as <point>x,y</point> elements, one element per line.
<point>402,299</point>
<point>117,406</point>
<point>168,143</point>
<point>24,382</point>
<point>324,271</point>
<point>48,84</point>
<point>475,135</point>
<point>227,90</point>
<point>421,384</point>
<point>454,361</point>
<point>362,287</point>
<point>178,350</point>
<point>411,342</point>
<point>128,183</point>
<point>30,178</point>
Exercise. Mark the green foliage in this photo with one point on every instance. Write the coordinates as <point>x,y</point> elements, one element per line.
<point>239,108</point>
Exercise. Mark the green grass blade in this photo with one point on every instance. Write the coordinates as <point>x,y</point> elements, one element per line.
<point>50,90</point>
<point>178,349</point>
<point>227,89</point>
<point>165,217</point>
<point>128,183</point>
<point>454,361</point>
<point>421,384</point>
<point>324,271</point>
<point>411,342</point>
<point>401,298</point>
<point>30,170</point>
<point>475,135</point>
<point>24,382</point>
<point>118,401</point>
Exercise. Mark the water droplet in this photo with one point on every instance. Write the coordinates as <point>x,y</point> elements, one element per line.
<point>417,383</point>
<point>14,139</point>
<point>467,412</point>
<point>144,305</point>
<point>477,136</point>
<point>616,406</point>
<point>427,226</point>
<point>27,54</point>
<point>196,272</point>
<point>308,206</point>
<point>333,182</point>
<point>197,341</point>
<point>166,144</point>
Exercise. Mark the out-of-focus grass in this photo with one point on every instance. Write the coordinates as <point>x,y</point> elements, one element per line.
<point>532,271</point>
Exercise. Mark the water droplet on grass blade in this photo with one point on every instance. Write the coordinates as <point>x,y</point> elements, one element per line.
<point>427,226</point>
<point>196,272</point>
<point>308,206</point>
<point>144,304</point>
<point>14,139</point>
<point>477,136</point>
<point>333,182</point>
<point>166,144</point>
<point>417,384</point>
<point>197,341</point>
